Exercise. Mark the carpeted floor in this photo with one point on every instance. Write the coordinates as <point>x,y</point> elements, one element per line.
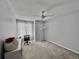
<point>46,50</point>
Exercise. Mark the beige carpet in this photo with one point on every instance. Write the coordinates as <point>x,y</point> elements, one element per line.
<point>46,50</point>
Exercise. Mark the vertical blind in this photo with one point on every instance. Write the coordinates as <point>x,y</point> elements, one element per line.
<point>24,28</point>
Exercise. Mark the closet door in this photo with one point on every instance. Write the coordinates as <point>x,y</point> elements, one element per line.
<point>39,35</point>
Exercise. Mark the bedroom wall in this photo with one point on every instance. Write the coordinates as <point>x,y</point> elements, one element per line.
<point>63,29</point>
<point>7,22</point>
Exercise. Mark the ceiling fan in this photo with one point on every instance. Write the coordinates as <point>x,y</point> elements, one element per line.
<point>43,15</point>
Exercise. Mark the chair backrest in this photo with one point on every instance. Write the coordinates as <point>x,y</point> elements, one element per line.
<point>26,37</point>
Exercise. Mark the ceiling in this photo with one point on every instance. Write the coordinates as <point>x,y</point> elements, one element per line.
<point>32,8</point>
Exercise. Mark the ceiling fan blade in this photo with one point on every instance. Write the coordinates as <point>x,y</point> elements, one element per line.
<point>36,16</point>
<point>49,15</point>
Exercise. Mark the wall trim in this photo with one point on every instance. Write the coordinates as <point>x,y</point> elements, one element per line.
<point>63,46</point>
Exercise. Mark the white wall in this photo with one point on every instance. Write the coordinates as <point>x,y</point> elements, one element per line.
<point>7,21</point>
<point>64,29</point>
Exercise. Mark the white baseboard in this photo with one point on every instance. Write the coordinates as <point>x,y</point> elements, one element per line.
<point>64,47</point>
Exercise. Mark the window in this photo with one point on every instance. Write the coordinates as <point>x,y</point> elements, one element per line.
<point>24,28</point>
